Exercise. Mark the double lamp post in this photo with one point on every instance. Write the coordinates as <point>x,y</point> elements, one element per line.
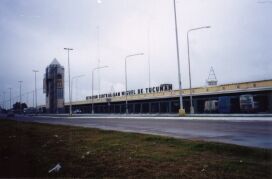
<point>189,63</point>
<point>181,110</point>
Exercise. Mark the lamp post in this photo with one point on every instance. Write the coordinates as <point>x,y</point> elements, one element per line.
<point>137,54</point>
<point>27,99</point>
<point>73,78</point>
<point>33,99</point>
<point>181,110</point>
<point>4,100</point>
<point>148,56</point>
<point>20,95</point>
<point>35,71</point>
<point>70,96</point>
<point>10,98</point>
<point>189,63</point>
<point>93,85</point>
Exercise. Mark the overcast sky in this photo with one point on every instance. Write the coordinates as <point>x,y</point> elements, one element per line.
<point>34,32</point>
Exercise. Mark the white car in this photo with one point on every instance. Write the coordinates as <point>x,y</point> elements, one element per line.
<point>77,111</point>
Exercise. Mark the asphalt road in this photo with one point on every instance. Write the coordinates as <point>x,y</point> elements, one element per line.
<point>253,133</point>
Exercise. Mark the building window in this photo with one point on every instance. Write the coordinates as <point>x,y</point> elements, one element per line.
<point>59,93</point>
<point>59,84</point>
<point>59,76</point>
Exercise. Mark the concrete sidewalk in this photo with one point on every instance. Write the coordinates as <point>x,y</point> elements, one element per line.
<point>224,117</point>
<point>161,115</point>
<point>163,118</point>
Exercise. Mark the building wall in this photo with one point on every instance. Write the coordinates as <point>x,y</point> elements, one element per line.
<point>270,102</point>
<point>54,88</point>
<point>168,101</point>
<point>205,91</point>
<point>171,105</point>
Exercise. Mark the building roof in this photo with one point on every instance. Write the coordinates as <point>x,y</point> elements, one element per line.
<point>244,87</point>
<point>55,62</point>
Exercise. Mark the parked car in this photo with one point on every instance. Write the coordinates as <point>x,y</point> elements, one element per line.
<point>29,110</point>
<point>77,111</point>
<point>248,104</point>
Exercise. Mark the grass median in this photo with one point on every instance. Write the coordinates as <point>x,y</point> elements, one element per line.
<point>31,150</point>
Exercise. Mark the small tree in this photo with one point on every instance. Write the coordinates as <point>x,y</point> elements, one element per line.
<point>17,107</point>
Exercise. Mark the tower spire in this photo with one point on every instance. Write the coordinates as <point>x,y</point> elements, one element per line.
<point>212,80</point>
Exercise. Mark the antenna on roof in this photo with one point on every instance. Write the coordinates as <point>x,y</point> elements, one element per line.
<point>212,80</point>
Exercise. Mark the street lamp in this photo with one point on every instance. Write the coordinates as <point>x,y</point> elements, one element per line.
<point>70,96</point>
<point>20,95</point>
<point>181,110</point>
<point>148,56</point>
<point>10,98</point>
<point>93,85</point>
<point>27,94</point>
<point>189,63</point>
<point>33,99</point>
<point>73,78</point>
<point>35,71</point>
<point>137,54</point>
<point>4,100</point>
